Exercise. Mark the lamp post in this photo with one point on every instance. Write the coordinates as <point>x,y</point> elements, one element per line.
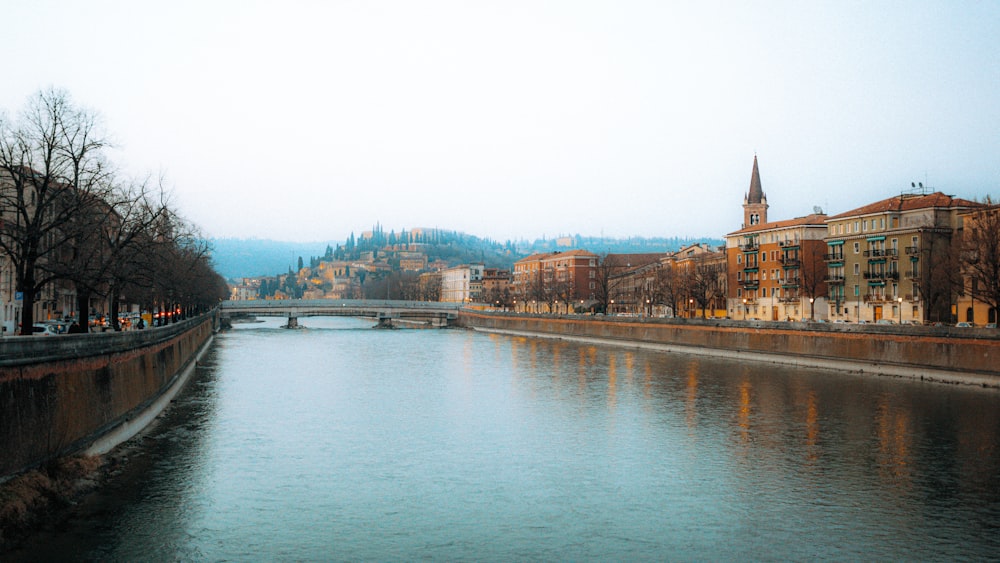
<point>899,300</point>
<point>744,308</point>
<point>690,308</point>
<point>812,309</point>
<point>612,311</point>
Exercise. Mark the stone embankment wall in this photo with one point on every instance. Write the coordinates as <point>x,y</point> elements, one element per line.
<point>955,355</point>
<point>61,394</point>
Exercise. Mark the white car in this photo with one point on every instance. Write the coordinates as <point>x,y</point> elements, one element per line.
<point>42,329</point>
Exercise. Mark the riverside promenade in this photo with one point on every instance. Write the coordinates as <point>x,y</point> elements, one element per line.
<point>942,354</point>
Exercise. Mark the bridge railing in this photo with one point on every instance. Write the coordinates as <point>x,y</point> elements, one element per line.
<point>338,303</point>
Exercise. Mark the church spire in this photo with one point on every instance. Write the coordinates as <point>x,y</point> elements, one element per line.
<point>756,193</point>
<point>755,202</point>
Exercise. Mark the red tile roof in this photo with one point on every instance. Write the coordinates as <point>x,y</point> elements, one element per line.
<point>908,203</point>
<point>814,219</point>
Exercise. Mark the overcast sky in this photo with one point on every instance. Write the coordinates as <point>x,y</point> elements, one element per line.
<point>306,121</point>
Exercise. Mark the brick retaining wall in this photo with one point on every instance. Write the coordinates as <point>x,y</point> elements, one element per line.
<point>59,394</point>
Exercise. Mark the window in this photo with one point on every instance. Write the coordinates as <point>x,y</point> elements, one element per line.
<point>857,291</point>
<point>739,258</point>
<point>857,227</point>
<point>857,269</point>
<point>763,274</point>
<point>857,248</point>
<point>739,276</point>
<point>763,257</point>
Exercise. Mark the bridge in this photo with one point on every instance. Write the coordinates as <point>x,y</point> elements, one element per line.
<point>388,313</point>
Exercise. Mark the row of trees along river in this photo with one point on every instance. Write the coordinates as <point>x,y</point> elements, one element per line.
<point>68,217</point>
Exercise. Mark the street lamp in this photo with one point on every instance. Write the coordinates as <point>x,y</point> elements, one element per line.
<point>900,301</point>
<point>812,310</point>
<point>745,308</point>
<point>612,311</point>
<point>690,308</point>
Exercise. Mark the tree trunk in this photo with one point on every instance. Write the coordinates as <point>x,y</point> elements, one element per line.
<point>82,311</point>
<point>27,309</point>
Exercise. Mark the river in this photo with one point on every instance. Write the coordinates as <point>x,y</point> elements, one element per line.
<point>341,442</point>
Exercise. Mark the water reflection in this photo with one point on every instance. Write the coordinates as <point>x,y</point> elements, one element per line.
<point>374,445</point>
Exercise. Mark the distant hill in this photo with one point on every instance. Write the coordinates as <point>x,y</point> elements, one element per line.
<point>241,258</point>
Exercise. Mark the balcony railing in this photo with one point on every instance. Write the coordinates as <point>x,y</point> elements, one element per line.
<point>875,298</point>
<point>911,275</point>
<point>791,262</point>
<point>835,257</point>
<point>881,275</point>
<point>790,283</point>
<point>876,253</point>
<point>834,279</point>
<point>793,299</point>
<point>912,250</point>
<point>748,246</point>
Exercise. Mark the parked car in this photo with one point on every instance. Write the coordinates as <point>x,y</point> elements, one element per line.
<point>964,325</point>
<point>990,325</point>
<point>886,322</point>
<point>43,329</point>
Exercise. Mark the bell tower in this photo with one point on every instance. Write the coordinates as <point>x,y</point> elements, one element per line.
<point>754,202</point>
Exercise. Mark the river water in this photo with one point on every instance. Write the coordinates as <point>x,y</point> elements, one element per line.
<point>340,442</point>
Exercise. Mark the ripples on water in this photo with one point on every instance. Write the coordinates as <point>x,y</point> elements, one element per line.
<point>339,442</point>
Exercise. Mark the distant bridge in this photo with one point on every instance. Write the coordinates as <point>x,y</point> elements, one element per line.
<point>387,312</point>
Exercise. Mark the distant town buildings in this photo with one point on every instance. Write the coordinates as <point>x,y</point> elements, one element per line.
<point>898,259</point>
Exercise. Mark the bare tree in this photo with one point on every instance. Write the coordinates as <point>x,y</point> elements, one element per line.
<point>52,164</point>
<point>667,287</point>
<point>813,270</point>
<point>981,255</point>
<point>606,282</point>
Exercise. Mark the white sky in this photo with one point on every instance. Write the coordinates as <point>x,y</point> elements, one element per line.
<point>298,120</point>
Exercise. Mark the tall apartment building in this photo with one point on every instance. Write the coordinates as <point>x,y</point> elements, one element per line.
<point>775,270</point>
<point>895,259</point>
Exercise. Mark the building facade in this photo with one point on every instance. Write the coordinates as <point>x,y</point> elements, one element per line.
<point>775,270</point>
<point>462,284</point>
<point>896,259</point>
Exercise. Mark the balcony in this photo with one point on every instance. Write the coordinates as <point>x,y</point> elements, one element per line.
<point>834,279</point>
<point>793,299</point>
<point>911,275</point>
<point>876,298</point>
<point>875,253</point>
<point>749,246</point>
<point>912,250</point>
<point>750,284</point>
<point>790,283</point>
<point>881,275</point>
<point>835,257</point>
<point>788,243</point>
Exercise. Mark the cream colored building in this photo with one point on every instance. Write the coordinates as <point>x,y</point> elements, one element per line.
<point>462,284</point>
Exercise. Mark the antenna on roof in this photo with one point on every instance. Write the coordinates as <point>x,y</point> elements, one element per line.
<point>817,210</point>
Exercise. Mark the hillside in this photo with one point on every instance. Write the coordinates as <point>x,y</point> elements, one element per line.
<point>237,258</point>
